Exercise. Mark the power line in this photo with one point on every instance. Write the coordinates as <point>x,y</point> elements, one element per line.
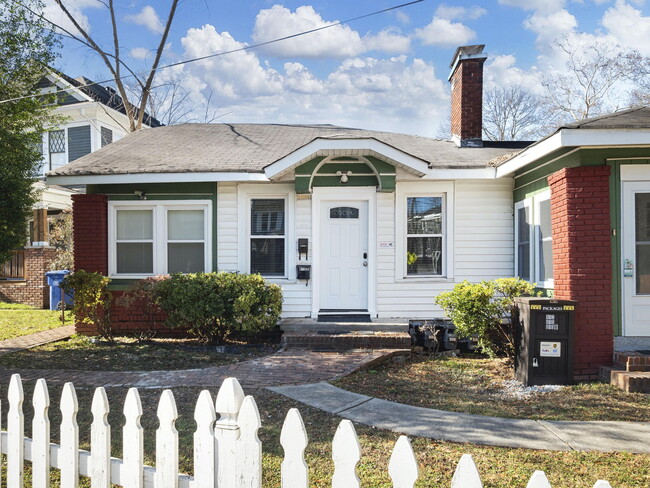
<point>223,53</point>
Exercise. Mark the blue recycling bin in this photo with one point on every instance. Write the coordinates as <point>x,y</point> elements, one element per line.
<point>54,279</point>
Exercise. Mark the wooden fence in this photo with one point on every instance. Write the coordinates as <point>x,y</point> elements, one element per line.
<point>14,268</point>
<point>227,451</point>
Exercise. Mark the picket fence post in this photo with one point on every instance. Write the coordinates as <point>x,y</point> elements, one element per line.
<point>346,453</point>
<point>538,480</point>
<point>166,443</point>
<point>16,433</point>
<point>132,442</point>
<point>248,452</point>
<point>228,403</point>
<point>293,439</point>
<point>69,451</point>
<point>205,446</point>
<point>100,442</point>
<point>41,436</point>
<point>403,467</point>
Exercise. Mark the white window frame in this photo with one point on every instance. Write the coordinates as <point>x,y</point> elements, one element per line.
<point>538,199</point>
<point>533,203</point>
<point>403,192</point>
<point>160,240</point>
<point>527,203</point>
<point>246,194</point>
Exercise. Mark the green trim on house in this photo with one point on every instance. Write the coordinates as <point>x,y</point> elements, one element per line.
<point>165,191</point>
<point>366,171</point>
<point>532,179</point>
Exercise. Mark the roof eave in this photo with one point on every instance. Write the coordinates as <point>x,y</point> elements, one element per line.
<point>142,178</point>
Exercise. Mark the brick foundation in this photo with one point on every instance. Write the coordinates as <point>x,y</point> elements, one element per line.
<point>33,290</point>
<point>582,261</point>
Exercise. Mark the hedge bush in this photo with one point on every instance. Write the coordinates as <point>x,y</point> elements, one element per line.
<point>211,306</point>
<point>92,300</point>
<point>486,309</point>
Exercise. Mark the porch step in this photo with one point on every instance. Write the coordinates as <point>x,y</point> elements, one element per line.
<point>632,360</point>
<point>629,381</point>
<point>342,340</point>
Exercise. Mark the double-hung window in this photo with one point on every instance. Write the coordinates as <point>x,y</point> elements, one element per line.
<point>534,240</point>
<point>159,238</point>
<point>268,237</point>
<point>424,235</point>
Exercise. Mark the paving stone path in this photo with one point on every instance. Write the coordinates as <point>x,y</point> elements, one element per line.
<point>291,367</point>
<point>37,339</point>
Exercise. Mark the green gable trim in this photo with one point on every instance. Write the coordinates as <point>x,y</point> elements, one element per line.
<point>367,171</point>
<point>166,191</point>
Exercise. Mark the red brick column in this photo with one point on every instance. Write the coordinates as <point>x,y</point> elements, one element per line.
<point>582,261</point>
<point>90,223</point>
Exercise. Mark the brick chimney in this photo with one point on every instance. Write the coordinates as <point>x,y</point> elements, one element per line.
<point>466,80</point>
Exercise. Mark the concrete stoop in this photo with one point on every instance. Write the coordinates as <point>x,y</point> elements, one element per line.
<point>336,341</point>
<point>630,372</point>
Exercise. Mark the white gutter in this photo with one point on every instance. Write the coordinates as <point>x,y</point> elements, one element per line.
<point>143,178</point>
<point>565,138</point>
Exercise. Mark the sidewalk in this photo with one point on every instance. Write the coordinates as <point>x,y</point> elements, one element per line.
<point>473,429</point>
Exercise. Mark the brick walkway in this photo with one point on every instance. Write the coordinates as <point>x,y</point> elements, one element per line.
<point>292,367</point>
<point>38,339</point>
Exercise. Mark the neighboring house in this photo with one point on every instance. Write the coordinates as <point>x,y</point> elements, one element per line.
<point>94,116</point>
<point>385,221</point>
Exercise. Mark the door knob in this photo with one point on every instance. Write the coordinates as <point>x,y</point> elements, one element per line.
<point>365,255</point>
<point>365,263</point>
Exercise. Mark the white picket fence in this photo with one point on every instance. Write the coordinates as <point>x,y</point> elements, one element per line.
<point>227,451</point>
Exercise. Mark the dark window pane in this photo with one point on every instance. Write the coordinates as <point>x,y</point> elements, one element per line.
<point>134,258</point>
<point>107,136</point>
<point>344,213</point>
<point>424,255</point>
<point>424,215</point>
<point>78,142</point>
<point>523,261</point>
<point>267,217</point>
<point>523,224</point>
<point>267,257</point>
<point>642,231</point>
<point>185,257</point>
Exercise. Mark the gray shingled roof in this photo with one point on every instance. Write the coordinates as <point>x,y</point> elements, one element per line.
<point>250,148</point>
<point>631,118</point>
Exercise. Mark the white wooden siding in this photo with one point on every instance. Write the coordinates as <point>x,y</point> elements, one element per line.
<point>227,227</point>
<point>482,243</point>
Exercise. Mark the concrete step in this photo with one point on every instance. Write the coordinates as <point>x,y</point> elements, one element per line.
<point>343,340</point>
<point>629,381</point>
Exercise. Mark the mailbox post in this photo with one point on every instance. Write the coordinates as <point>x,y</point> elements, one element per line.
<point>544,353</point>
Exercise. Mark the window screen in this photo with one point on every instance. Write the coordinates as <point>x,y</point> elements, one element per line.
<point>267,242</point>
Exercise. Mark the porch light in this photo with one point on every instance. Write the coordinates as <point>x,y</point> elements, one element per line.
<point>343,175</point>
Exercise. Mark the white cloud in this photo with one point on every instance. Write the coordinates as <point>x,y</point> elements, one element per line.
<point>502,70</point>
<point>147,17</point>
<point>628,26</point>
<point>459,13</point>
<point>443,32</point>
<point>278,21</point>
<point>403,17</point>
<point>551,26</point>
<point>298,79</point>
<point>54,14</point>
<point>139,52</point>
<point>337,41</point>
<point>543,6</point>
<point>388,41</point>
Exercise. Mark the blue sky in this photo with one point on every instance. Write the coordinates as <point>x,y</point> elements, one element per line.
<point>386,72</point>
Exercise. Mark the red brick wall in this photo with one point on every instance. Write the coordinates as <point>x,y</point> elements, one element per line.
<point>90,224</point>
<point>582,261</point>
<point>33,290</point>
<point>467,99</point>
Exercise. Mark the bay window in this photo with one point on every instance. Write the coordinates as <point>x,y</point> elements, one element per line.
<point>159,238</point>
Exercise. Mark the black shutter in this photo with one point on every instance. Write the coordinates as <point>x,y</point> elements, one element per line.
<point>78,142</point>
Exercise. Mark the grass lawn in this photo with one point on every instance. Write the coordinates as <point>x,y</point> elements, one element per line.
<point>127,354</point>
<point>499,467</point>
<point>18,320</point>
<point>474,385</point>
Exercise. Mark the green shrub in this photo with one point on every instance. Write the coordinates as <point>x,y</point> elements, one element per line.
<point>485,309</point>
<point>92,301</point>
<point>211,306</point>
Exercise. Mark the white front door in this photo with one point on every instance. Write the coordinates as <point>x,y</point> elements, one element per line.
<point>635,213</point>
<point>344,256</point>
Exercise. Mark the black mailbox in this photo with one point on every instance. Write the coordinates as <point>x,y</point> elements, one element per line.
<point>544,349</point>
<point>303,272</point>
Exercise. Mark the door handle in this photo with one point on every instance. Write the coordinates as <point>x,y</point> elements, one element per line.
<point>365,255</point>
